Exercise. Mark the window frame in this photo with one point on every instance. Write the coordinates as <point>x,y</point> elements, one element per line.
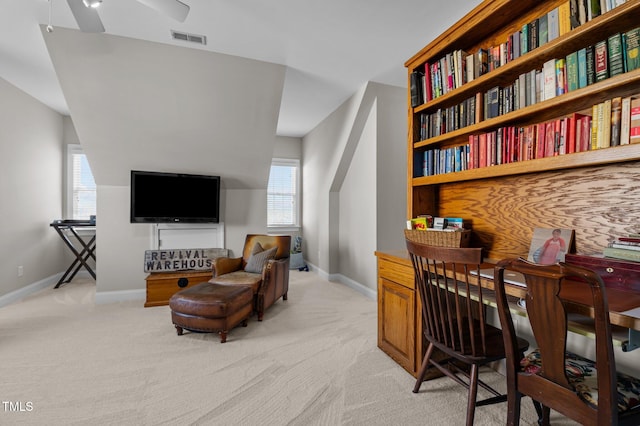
<point>287,162</point>
<point>72,149</point>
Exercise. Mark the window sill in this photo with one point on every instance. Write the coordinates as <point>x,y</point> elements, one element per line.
<point>272,229</point>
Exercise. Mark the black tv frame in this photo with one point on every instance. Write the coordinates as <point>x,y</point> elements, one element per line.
<point>164,197</point>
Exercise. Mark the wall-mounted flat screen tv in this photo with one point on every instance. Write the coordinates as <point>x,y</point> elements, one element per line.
<point>158,197</point>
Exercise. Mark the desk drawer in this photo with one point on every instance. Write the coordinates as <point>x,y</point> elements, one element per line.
<point>400,273</point>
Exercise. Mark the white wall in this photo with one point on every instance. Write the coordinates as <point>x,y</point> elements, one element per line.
<point>31,158</point>
<point>391,167</point>
<point>287,147</point>
<point>357,211</point>
<point>121,244</point>
<point>322,150</point>
<point>354,173</point>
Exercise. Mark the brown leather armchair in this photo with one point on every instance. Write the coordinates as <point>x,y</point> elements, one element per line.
<point>264,268</point>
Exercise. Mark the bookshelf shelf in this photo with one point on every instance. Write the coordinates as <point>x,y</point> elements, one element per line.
<point>620,19</point>
<point>621,85</point>
<point>598,157</point>
<point>596,192</point>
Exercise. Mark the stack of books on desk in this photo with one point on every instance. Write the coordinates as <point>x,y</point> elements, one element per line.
<point>625,248</point>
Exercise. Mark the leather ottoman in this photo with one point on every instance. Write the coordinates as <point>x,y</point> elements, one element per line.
<point>209,308</point>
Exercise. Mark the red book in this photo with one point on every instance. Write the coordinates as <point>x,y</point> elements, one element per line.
<point>549,139</point>
<point>571,132</point>
<point>634,127</point>
<point>585,135</point>
<point>482,158</point>
<point>540,140</point>
<point>520,144</point>
<point>471,153</point>
<point>427,83</point>
<point>630,239</point>
<point>513,144</point>
<point>505,145</point>
<point>532,142</point>
<point>601,61</point>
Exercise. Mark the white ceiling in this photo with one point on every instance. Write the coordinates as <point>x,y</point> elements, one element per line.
<point>330,47</point>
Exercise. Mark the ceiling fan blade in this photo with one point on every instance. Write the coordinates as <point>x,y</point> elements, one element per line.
<point>86,17</point>
<point>173,8</point>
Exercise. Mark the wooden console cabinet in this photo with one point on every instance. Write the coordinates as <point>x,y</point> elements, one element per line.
<point>162,285</point>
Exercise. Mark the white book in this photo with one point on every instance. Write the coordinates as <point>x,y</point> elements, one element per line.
<point>625,246</point>
<point>532,89</point>
<point>606,120</point>
<point>549,78</point>
<point>522,90</point>
<point>625,121</point>
<point>470,70</point>
<point>553,25</point>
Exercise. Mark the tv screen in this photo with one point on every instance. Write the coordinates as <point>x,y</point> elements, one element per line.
<point>158,197</point>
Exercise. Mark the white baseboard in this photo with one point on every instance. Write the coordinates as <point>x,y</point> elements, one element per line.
<point>360,288</point>
<point>371,294</point>
<point>23,292</point>
<point>105,297</point>
<point>322,274</point>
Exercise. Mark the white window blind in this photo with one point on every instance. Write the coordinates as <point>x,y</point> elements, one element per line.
<point>283,193</point>
<point>81,192</point>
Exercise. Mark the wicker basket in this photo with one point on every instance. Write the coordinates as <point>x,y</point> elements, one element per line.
<point>435,237</point>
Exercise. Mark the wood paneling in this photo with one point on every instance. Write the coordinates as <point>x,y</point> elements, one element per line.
<point>600,203</point>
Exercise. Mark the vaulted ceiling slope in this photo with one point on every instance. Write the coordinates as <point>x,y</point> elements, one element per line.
<point>150,106</point>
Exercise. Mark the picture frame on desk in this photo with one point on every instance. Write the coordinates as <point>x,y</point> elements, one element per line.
<point>549,245</point>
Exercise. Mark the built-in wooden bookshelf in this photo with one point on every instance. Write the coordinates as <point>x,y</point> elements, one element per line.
<point>597,192</point>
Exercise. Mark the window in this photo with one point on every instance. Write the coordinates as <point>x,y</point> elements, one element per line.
<point>283,194</point>
<point>81,188</point>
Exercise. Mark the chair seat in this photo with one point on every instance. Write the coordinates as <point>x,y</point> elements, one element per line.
<point>493,341</point>
<point>239,277</point>
<point>582,375</point>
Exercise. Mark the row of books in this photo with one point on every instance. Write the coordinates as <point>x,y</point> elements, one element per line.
<point>426,221</point>
<point>615,122</point>
<point>611,123</point>
<point>624,248</point>
<point>444,120</point>
<point>617,54</point>
<point>459,67</point>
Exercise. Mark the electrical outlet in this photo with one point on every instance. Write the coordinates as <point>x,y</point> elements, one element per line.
<point>20,271</point>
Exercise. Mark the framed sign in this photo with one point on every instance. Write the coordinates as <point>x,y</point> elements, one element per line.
<point>173,260</point>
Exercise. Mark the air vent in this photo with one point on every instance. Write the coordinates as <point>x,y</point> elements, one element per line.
<point>194,38</point>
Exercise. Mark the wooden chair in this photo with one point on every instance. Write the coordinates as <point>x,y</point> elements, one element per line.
<point>453,323</point>
<point>554,377</point>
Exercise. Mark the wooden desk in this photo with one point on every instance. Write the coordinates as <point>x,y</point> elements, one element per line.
<point>399,310</point>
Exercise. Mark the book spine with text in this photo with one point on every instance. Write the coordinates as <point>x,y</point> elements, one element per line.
<point>621,253</point>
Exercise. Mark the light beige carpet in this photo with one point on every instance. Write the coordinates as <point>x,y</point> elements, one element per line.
<point>312,361</point>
